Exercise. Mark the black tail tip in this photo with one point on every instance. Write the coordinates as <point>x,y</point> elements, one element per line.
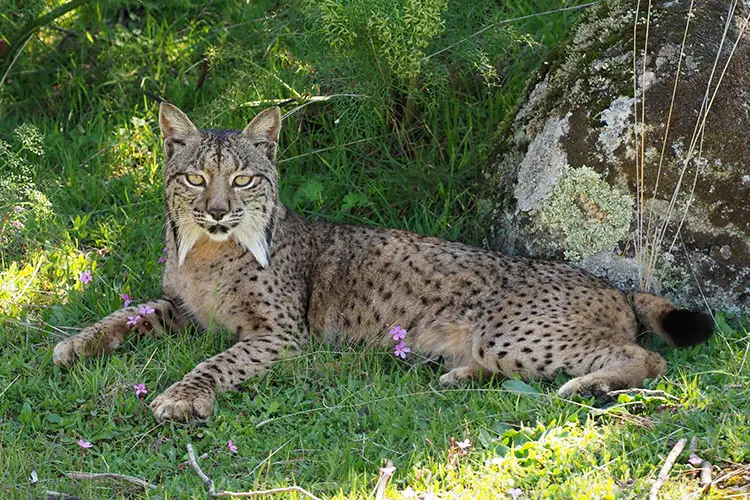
<point>686,327</point>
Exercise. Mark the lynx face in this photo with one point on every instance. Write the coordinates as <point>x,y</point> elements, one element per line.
<point>221,184</point>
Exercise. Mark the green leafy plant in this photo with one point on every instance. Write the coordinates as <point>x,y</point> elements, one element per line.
<point>14,15</point>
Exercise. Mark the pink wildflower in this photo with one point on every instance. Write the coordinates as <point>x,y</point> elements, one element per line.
<point>401,350</point>
<point>17,224</point>
<point>18,209</point>
<point>84,444</point>
<point>232,446</point>
<point>398,333</point>
<point>159,441</point>
<point>464,444</point>
<point>515,492</point>
<point>86,277</point>
<point>133,320</point>
<point>126,299</point>
<point>162,260</point>
<point>146,310</point>
<point>140,390</point>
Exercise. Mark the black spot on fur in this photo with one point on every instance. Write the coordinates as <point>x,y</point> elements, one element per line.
<point>686,327</point>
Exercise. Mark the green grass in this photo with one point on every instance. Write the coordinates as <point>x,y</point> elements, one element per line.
<point>80,155</point>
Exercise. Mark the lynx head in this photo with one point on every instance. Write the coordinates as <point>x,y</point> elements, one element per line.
<point>221,184</point>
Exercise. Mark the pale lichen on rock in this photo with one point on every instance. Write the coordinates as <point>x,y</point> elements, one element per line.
<point>617,131</point>
<point>590,215</point>
<point>542,166</point>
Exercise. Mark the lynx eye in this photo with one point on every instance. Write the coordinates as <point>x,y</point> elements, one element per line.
<point>243,181</point>
<point>195,180</point>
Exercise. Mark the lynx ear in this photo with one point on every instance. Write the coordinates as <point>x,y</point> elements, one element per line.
<point>264,130</point>
<point>174,123</point>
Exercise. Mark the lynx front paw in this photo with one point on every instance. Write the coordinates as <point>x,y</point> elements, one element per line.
<point>459,375</point>
<point>588,385</point>
<point>92,341</point>
<point>65,352</point>
<point>183,402</point>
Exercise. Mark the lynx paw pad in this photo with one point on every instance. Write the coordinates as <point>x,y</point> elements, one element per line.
<point>585,386</point>
<point>181,403</point>
<point>458,376</point>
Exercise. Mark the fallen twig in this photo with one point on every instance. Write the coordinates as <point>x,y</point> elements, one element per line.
<point>664,472</point>
<point>703,465</point>
<point>240,494</point>
<point>197,468</point>
<point>729,475</point>
<point>645,392</point>
<point>706,475</point>
<point>187,462</point>
<point>386,472</point>
<point>108,475</point>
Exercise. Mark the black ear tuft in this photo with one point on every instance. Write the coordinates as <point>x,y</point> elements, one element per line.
<point>686,327</point>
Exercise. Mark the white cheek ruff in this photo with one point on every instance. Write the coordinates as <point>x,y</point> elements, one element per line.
<point>188,234</point>
<point>251,234</point>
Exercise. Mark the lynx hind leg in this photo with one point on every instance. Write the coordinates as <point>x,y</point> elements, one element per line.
<point>622,367</point>
<point>110,332</point>
<point>471,365</point>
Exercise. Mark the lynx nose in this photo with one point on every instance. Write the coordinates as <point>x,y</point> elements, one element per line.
<point>217,212</point>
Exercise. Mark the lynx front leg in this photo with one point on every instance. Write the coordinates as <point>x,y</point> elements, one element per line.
<point>110,332</point>
<point>193,397</point>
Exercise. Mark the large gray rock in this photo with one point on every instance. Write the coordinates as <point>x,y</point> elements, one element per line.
<point>564,182</point>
